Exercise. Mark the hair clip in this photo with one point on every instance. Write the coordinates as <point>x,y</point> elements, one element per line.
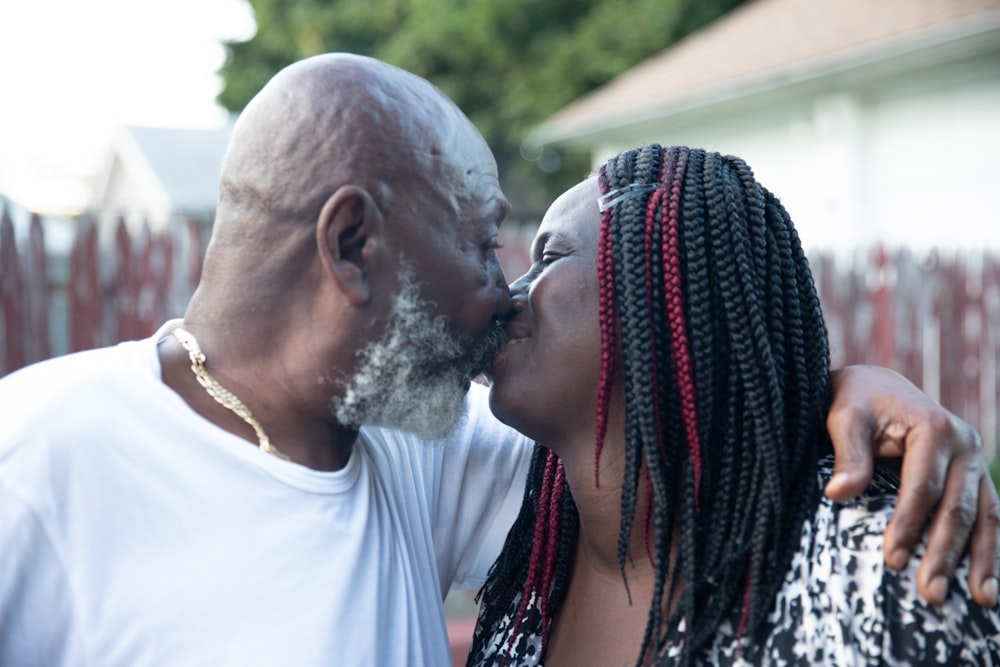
<point>609,199</point>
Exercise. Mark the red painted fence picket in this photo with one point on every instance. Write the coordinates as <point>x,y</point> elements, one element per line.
<point>12,294</point>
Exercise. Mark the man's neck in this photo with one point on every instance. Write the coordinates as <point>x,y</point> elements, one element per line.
<point>305,434</point>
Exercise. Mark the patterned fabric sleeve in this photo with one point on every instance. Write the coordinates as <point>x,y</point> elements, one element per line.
<point>959,632</point>
<point>497,649</point>
<point>840,604</point>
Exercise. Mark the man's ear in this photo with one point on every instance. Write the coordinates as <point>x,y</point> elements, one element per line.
<point>349,228</point>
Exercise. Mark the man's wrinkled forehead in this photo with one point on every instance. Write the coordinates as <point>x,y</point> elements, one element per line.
<point>456,149</point>
<point>415,135</point>
<point>466,175</point>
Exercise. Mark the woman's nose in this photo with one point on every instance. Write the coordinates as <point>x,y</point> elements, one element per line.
<point>519,294</point>
<point>521,285</point>
<point>518,301</point>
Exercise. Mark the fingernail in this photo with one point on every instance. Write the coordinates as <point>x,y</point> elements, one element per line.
<point>938,587</point>
<point>990,589</point>
<point>899,558</point>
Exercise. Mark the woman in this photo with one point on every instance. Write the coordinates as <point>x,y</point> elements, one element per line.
<point>675,514</point>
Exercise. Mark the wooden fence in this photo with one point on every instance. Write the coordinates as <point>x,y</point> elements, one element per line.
<point>65,287</point>
<point>935,318</point>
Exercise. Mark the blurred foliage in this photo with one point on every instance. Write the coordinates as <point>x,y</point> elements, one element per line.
<point>509,64</point>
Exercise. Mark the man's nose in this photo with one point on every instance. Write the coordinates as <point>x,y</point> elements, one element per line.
<point>503,296</point>
<point>517,295</point>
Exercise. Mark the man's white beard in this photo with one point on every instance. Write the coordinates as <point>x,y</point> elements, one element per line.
<point>414,378</point>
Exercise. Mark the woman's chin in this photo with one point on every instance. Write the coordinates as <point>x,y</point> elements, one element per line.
<point>500,407</point>
<point>509,399</point>
<point>501,367</point>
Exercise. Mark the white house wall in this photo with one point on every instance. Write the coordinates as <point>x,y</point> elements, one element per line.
<point>909,159</point>
<point>131,191</point>
<point>938,148</point>
<point>130,199</point>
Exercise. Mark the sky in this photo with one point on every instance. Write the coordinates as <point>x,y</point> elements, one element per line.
<point>71,71</point>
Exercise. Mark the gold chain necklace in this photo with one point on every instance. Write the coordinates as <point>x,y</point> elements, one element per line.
<point>222,396</point>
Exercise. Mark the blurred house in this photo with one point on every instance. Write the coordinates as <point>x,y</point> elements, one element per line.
<point>873,120</point>
<point>155,175</point>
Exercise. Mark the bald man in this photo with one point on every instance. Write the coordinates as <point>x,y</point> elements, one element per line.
<point>252,485</point>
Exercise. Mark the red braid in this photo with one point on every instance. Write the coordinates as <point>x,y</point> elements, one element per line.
<point>551,547</point>
<point>680,348</point>
<point>607,315</point>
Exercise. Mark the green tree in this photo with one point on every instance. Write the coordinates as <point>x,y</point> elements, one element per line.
<point>509,64</point>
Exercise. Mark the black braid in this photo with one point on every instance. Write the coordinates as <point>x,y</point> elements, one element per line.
<point>636,335</point>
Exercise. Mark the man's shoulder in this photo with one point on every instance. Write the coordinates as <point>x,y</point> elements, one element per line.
<point>59,396</point>
<point>77,370</point>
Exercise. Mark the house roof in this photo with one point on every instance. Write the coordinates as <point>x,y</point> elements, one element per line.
<point>186,162</point>
<point>767,43</point>
<point>177,167</point>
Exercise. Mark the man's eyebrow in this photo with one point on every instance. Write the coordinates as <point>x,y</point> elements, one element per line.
<point>497,210</point>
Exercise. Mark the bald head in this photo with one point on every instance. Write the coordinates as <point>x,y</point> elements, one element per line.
<point>324,136</point>
<point>331,120</point>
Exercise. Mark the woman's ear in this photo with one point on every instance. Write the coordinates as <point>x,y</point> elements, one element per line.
<point>349,228</point>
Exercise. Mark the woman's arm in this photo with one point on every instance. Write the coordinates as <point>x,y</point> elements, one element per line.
<point>877,413</point>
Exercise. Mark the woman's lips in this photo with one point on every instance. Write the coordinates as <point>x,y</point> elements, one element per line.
<point>517,333</point>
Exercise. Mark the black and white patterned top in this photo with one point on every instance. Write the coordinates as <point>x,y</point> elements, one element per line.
<point>839,604</point>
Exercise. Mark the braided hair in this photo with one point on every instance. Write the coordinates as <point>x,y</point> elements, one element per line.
<point>710,319</point>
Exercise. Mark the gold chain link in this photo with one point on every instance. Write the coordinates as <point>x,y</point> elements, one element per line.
<point>222,396</point>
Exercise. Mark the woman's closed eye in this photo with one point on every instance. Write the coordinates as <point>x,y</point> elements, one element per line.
<point>548,257</point>
<point>540,262</point>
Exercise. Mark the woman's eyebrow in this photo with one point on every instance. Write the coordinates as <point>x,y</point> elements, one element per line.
<point>539,245</point>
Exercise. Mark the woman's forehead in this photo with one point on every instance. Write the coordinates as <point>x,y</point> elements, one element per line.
<point>574,215</point>
<point>579,202</point>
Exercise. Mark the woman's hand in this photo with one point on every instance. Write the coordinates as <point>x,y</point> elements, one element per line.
<point>877,413</point>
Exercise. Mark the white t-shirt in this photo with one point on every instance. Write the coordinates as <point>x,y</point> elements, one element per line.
<point>134,532</point>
